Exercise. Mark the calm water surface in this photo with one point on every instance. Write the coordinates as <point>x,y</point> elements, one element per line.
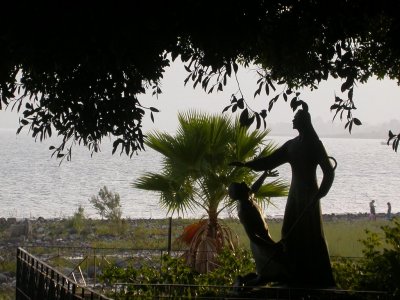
<point>33,184</point>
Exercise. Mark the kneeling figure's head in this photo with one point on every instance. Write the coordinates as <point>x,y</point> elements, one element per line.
<point>239,191</point>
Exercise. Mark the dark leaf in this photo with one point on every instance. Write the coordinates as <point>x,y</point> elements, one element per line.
<point>154,109</point>
<point>235,67</point>
<point>19,105</point>
<point>271,104</point>
<point>250,121</point>
<point>186,80</point>
<point>258,121</point>
<point>347,84</point>
<point>267,89</point>
<point>174,55</point>
<point>244,116</point>
<point>335,106</point>
<point>127,148</point>
<point>152,117</point>
<point>228,70</point>
<point>52,148</point>
<point>395,144</point>
<point>241,103</point>
<point>258,91</point>
<point>294,103</point>
<point>271,84</point>
<point>357,121</point>
<point>226,108</point>
<point>24,122</point>
<point>263,113</point>
<point>234,108</point>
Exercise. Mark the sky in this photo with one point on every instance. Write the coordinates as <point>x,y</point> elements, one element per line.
<point>377,101</point>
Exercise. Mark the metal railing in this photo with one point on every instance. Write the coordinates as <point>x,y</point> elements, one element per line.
<point>37,280</point>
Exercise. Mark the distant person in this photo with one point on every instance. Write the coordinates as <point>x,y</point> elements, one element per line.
<point>389,211</point>
<point>372,212</point>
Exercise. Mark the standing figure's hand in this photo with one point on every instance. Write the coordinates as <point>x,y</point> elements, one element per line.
<point>236,164</point>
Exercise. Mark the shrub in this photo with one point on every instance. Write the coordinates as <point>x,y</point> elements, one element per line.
<point>379,269</point>
<point>173,270</point>
<point>107,204</point>
<point>78,219</point>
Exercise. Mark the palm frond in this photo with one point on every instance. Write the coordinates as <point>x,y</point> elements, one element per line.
<point>276,188</point>
<point>196,171</point>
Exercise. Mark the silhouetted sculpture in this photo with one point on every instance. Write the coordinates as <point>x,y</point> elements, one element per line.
<point>302,233</point>
<point>267,254</point>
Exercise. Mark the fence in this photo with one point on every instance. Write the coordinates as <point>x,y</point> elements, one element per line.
<point>84,264</point>
<point>37,280</point>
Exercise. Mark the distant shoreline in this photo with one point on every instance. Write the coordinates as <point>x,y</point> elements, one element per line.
<point>325,217</point>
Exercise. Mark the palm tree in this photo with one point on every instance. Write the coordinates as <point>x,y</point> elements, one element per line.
<point>196,174</point>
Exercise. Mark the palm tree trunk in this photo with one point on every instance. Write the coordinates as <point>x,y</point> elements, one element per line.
<point>212,224</point>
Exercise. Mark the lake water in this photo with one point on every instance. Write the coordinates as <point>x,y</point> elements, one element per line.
<point>33,184</point>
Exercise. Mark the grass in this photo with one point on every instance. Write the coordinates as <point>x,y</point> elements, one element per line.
<point>342,236</point>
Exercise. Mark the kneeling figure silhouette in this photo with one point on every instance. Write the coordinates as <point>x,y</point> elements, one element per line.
<point>269,256</point>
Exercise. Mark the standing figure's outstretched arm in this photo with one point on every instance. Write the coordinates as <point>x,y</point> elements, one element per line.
<point>270,162</point>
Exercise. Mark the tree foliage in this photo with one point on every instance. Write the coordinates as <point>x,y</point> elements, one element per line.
<point>107,204</point>
<point>195,167</point>
<point>80,69</point>
<point>379,268</point>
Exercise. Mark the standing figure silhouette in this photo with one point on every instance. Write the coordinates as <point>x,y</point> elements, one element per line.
<point>302,232</point>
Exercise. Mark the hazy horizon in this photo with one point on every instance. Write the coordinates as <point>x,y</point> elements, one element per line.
<point>177,98</point>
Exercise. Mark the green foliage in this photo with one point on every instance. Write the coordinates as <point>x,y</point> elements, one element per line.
<point>230,265</point>
<point>107,204</point>
<point>175,271</point>
<point>78,219</point>
<point>196,171</point>
<point>379,269</point>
